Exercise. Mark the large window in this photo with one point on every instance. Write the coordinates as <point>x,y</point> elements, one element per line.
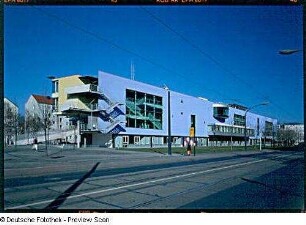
<point>239,120</point>
<point>268,128</point>
<point>221,112</point>
<point>143,110</point>
<point>55,86</point>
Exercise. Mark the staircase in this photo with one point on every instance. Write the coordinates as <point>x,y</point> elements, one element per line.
<point>110,114</point>
<point>136,110</point>
<point>132,107</point>
<point>155,122</point>
<point>114,128</point>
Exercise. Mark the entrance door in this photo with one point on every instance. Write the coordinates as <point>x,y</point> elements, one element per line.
<point>125,141</point>
<point>193,123</point>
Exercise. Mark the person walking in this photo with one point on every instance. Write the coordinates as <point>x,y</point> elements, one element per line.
<point>35,144</point>
<point>189,149</point>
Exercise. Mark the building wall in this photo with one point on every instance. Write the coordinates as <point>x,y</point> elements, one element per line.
<point>101,140</point>
<point>65,82</point>
<point>34,108</point>
<point>30,106</point>
<point>251,120</point>
<point>62,122</point>
<point>182,107</point>
<point>114,88</point>
<point>11,105</point>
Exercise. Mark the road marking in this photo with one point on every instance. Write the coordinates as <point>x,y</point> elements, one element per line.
<point>150,182</point>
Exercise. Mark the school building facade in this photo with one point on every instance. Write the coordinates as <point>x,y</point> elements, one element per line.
<point>136,114</point>
<point>113,111</point>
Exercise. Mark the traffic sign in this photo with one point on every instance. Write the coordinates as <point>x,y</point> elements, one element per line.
<point>191,132</point>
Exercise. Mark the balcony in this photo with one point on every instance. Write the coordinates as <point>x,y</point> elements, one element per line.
<point>83,89</point>
<point>90,127</point>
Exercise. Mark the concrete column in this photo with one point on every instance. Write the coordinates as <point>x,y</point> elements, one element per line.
<point>113,141</point>
<point>78,134</point>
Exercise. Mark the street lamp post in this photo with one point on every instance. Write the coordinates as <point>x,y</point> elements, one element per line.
<point>169,121</point>
<point>288,51</point>
<point>232,132</point>
<point>91,112</point>
<point>47,120</point>
<point>245,122</point>
<point>91,116</point>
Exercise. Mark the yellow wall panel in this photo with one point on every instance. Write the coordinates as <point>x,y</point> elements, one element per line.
<point>65,82</point>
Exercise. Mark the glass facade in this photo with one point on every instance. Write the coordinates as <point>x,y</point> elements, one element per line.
<point>230,130</point>
<point>268,128</point>
<point>143,110</point>
<point>239,120</point>
<point>221,112</point>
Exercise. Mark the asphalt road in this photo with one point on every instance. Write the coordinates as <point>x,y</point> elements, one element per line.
<point>116,179</point>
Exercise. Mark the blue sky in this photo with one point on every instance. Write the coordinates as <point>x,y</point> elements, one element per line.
<point>223,53</point>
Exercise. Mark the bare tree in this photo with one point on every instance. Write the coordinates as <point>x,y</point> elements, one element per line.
<point>47,123</point>
<point>10,124</point>
<point>33,124</point>
<point>286,137</point>
<point>20,124</point>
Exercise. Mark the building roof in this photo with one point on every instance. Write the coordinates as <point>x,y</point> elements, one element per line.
<point>10,102</point>
<point>293,124</point>
<point>236,106</point>
<point>43,99</point>
<point>89,79</point>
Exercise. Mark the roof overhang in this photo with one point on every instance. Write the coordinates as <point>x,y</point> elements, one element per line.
<point>74,112</point>
<point>89,80</point>
<point>221,105</point>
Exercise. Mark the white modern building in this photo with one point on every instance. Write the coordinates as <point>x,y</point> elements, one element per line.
<point>136,114</point>
<point>113,111</point>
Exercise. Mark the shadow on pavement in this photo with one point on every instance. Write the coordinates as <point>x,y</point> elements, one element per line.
<point>277,190</point>
<point>62,198</point>
<point>21,181</point>
<point>57,157</point>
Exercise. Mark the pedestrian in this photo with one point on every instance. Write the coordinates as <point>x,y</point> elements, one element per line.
<point>188,149</point>
<point>35,144</point>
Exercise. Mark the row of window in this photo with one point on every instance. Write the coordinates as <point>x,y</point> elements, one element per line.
<point>137,140</point>
<point>141,97</point>
<point>145,140</point>
<point>230,130</point>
